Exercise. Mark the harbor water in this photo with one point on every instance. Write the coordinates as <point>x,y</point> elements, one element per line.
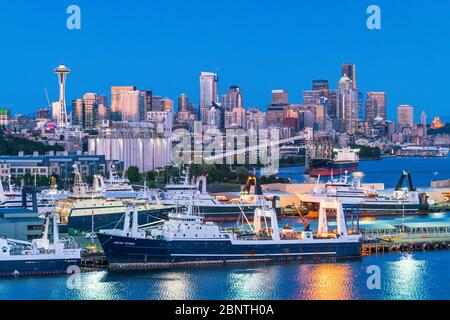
<point>415,275</point>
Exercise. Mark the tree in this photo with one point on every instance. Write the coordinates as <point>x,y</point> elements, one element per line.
<point>242,174</point>
<point>133,174</point>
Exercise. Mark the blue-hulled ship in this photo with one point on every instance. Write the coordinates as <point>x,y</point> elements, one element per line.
<point>187,240</point>
<point>39,257</point>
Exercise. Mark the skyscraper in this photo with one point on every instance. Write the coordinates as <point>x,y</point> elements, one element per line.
<point>62,71</point>
<point>280,97</point>
<point>90,103</point>
<point>375,106</point>
<point>116,99</point>
<point>133,105</point>
<point>78,112</point>
<point>312,97</point>
<point>322,86</point>
<point>233,99</point>
<point>347,106</point>
<point>208,93</point>
<point>183,103</point>
<point>350,71</point>
<point>423,119</point>
<point>405,116</point>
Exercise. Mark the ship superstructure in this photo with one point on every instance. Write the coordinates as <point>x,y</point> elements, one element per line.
<point>40,256</point>
<point>187,240</point>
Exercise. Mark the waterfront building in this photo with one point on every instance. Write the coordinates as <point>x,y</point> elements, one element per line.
<point>20,224</point>
<point>116,100</point>
<point>280,97</point>
<point>405,116</point>
<point>347,106</point>
<point>375,106</point>
<point>349,70</point>
<point>208,93</point>
<point>5,117</point>
<point>60,164</point>
<point>133,144</point>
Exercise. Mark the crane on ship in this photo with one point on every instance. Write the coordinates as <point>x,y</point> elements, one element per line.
<point>407,175</point>
<point>306,222</point>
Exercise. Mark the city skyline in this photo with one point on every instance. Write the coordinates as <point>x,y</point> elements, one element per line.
<point>257,72</point>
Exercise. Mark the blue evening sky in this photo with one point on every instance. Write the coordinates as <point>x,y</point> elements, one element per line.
<point>258,45</point>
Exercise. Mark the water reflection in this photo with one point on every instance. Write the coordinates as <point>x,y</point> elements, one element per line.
<point>251,284</point>
<point>326,282</point>
<point>407,278</point>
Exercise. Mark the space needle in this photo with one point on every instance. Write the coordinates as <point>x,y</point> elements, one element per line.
<point>62,71</point>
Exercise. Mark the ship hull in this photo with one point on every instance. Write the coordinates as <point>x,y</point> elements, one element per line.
<point>30,267</point>
<point>127,253</point>
<point>371,208</point>
<point>328,168</point>
<point>83,223</point>
<point>219,213</point>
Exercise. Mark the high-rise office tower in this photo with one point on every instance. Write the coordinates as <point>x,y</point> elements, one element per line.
<point>280,97</point>
<point>347,106</point>
<point>312,97</point>
<point>116,100</point>
<point>62,71</point>
<point>350,71</point>
<point>78,112</point>
<point>208,93</point>
<point>423,119</point>
<point>233,99</point>
<point>183,103</point>
<point>332,104</point>
<point>90,110</point>
<point>405,116</point>
<point>375,106</point>
<point>157,103</point>
<point>167,105</point>
<point>133,105</point>
<point>102,100</point>
<point>322,86</point>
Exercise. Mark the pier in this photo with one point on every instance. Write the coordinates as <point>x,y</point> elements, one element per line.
<point>406,245</point>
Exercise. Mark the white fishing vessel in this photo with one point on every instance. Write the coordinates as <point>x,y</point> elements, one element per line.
<point>187,240</point>
<point>39,257</point>
<point>210,207</point>
<point>354,197</point>
<point>85,206</point>
<point>348,193</point>
<point>114,186</point>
